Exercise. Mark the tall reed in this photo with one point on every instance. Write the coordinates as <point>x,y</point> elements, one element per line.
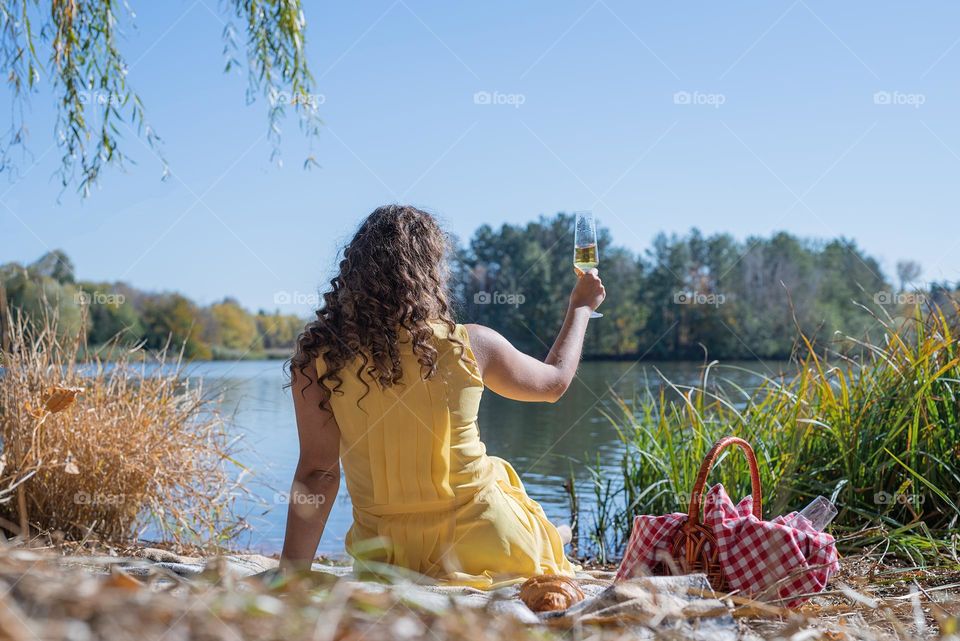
<point>872,424</point>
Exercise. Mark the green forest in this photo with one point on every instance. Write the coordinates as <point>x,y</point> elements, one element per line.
<point>224,330</point>
<point>683,297</point>
<point>686,294</point>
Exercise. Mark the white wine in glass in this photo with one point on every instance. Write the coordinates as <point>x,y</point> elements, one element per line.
<point>586,256</point>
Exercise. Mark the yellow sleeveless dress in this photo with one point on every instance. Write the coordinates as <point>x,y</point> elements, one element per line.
<point>421,482</point>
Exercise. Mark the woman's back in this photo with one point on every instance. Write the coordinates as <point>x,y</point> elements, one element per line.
<point>421,483</point>
<point>416,444</point>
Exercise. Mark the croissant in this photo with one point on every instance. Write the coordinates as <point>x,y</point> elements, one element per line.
<point>550,592</point>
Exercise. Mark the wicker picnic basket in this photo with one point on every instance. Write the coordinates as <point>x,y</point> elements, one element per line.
<point>694,548</point>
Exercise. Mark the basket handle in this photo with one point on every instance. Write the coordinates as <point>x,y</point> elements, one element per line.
<point>696,497</point>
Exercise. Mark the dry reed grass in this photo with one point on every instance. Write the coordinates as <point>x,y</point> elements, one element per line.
<point>50,596</point>
<point>108,448</point>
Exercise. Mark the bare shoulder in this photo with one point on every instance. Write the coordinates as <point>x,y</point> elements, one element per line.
<point>482,338</point>
<point>484,342</point>
<point>478,332</point>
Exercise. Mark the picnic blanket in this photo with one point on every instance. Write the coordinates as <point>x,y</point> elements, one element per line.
<point>679,604</point>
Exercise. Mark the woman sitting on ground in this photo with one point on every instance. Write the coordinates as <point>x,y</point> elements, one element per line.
<point>385,381</point>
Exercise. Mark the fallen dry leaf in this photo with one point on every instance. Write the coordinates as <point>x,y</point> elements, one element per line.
<point>60,398</point>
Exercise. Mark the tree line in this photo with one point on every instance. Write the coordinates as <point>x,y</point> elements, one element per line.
<point>223,330</point>
<point>685,296</point>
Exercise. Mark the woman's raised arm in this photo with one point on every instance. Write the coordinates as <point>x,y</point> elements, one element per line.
<point>509,372</point>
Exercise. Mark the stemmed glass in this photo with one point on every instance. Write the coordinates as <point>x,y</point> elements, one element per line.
<point>586,256</point>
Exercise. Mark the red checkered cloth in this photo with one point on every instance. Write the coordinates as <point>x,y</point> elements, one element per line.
<point>757,557</point>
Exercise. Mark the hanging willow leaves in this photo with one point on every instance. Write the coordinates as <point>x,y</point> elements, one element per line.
<point>73,45</point>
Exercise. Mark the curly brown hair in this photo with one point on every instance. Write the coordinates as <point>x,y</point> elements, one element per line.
<point>392,280</point>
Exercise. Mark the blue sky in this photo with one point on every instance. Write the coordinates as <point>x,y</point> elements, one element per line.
<point>820,118</point>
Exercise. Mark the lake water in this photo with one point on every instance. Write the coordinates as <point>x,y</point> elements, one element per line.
<point>541,440</point>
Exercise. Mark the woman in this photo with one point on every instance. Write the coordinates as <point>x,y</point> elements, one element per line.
<point>387,383</point>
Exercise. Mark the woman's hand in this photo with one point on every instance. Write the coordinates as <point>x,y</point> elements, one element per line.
<point>589,290</point>
<point>513,374</point>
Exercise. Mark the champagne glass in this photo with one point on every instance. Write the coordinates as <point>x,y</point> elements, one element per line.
<point>585,253</point>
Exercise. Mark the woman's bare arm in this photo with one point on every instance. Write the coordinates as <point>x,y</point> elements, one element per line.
<point>317,477</point>
<point>513,374</point>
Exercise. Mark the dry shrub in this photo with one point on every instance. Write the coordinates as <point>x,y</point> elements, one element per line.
<point>112,447</point>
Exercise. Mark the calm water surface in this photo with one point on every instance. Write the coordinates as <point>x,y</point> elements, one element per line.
<point>541,440</point>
